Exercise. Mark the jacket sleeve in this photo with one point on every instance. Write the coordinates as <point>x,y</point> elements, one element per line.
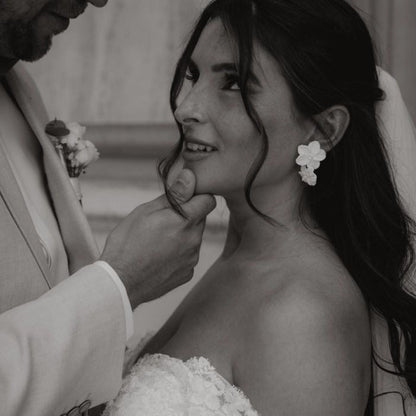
<point>64,348</point>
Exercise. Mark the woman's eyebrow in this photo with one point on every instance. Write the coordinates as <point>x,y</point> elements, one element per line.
<point>231,67</point>
<point>225,66</point>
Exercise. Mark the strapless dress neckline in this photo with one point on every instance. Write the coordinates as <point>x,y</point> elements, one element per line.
<point>167,386</point>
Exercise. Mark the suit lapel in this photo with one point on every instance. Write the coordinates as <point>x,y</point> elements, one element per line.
<point>12,197</point>
<point>76,234</point>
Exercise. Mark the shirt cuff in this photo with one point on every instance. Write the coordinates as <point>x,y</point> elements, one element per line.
<point>128,311</point>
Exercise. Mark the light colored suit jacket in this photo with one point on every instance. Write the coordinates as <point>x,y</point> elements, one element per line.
<point>63,345</point>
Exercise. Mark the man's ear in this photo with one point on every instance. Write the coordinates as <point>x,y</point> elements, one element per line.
<point>333,123</point>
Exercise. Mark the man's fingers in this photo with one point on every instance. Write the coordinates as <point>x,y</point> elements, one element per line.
<point>160,202</point>
<point>199,207</point>
<point>184,186</point>
<point>196,208</point>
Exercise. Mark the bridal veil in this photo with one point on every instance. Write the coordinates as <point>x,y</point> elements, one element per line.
<point>399,135</point>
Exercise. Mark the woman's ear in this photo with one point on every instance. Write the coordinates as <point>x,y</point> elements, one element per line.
<point>333,123</point>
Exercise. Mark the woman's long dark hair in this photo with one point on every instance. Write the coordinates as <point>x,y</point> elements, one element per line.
<point>327,57</point>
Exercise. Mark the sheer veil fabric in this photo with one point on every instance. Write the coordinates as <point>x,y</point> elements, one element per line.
<point>399,135</point>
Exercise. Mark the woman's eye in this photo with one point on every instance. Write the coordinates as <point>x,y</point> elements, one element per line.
<point>191,76</point>
<point>231,83</point>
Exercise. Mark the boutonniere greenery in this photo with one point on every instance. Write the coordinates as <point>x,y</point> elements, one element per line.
<point>75,152</point>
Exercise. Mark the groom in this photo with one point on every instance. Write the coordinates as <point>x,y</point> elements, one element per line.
<point>65,317</point>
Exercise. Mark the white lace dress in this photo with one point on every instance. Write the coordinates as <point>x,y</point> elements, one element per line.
<point>160,385</point>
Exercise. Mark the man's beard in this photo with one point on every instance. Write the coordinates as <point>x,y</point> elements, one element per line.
<point>25,43</point>
<point>31,40</point>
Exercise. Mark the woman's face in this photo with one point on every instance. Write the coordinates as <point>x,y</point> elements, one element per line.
<point>212,114</point>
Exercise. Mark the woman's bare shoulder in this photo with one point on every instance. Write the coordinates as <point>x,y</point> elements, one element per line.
<point>308,342</point>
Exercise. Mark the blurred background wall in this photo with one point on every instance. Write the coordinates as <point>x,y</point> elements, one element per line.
<point>114,65</point>
<point>112,71</point>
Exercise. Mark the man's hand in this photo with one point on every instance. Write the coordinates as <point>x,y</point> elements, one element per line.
<point>154,249</point>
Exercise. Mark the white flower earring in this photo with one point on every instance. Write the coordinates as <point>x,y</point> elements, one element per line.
<point>309,159</point>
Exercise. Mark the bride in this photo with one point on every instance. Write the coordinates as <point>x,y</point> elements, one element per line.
<point>275,102</point>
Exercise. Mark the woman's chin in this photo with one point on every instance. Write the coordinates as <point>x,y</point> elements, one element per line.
<point>206,187</point>
<point>203,184</point>
<point>207,183</point>
<point>200,190</point>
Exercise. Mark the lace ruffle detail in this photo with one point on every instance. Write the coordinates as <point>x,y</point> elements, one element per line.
<point>166,386</point>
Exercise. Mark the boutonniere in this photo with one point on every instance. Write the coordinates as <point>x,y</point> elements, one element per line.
<point>75,152</point>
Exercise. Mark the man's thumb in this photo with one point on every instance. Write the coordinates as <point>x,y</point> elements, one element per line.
<point>184,186</point>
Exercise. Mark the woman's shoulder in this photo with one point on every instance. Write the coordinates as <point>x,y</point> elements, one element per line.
<point>315,294</point>
<point>317,324</point>
<point>314,304</point>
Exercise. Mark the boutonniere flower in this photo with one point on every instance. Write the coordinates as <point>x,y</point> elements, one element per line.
<point>75,152</point>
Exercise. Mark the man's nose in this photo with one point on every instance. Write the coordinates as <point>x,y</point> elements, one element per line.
<point>98,3</point>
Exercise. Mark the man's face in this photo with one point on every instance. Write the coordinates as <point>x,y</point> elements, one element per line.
<point>27,26</point>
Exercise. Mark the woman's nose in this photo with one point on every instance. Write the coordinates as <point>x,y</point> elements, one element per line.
<point>98,3</point>
<point>189,111</point>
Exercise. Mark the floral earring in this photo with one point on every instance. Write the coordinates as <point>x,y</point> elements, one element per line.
<point>309,159</point>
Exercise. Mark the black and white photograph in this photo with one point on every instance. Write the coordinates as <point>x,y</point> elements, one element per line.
<point>207,208</point>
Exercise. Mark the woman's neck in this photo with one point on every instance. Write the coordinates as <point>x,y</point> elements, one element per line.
<point>253,237</point>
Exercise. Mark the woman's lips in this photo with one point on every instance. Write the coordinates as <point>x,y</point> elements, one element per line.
<point>194,156</point>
